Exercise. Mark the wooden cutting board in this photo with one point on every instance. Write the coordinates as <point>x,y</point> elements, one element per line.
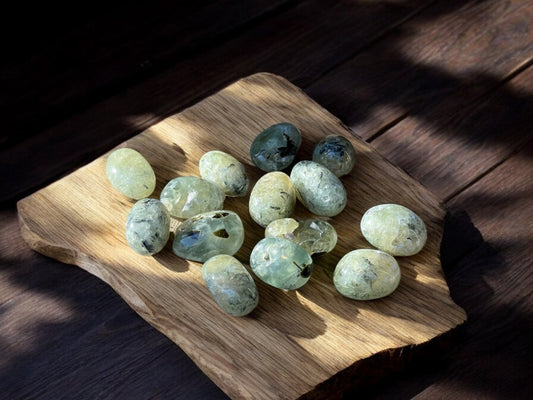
<point>304,343</point>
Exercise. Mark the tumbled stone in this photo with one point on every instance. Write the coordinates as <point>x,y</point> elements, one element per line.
<point>208,234</point>
<point>273,197</point>
<point>187,196</point>
<point>130,173</point>
<point>230,284</point>
<point>319,190</point>
<point>281,263</point>
<point>276,147</point>
<point>366,274</point>
<point>148,226</point>
<point>395,229</point>
<point>226,171</point>
<point>282,228</point>
<point>314,235</point>
<point>336,153</point>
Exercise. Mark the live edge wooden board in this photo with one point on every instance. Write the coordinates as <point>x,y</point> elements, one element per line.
<point>295,344</point>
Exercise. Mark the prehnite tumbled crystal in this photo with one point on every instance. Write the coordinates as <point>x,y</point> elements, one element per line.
<point>230,284</point>
<point>272,197</point>
<point>226,171</point>
<point>395,229</point>
<point>336,153</point>
<point>208,234</point>
<point>276,147</point>
<point>187,196</point>
<point>314,235</point>
<point>281,263</point>
<point>319,190</point>
<point>148,226</point>
<point>130,173</point>
<point>366,274</point>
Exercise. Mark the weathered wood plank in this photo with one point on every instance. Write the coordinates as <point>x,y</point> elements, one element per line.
<point>458,55</point>
<point>495,289</point>
<point>454,144</point>
<point>307,333</point>
<point>296,44</point>
<point>65,58</point>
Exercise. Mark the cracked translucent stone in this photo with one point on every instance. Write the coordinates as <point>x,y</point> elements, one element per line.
<point>395,229</point>
<point>336,153</point>
<point>148,226</point>
<point>319,190</point>
<point>130,173</point>
<point>314,235</point>
<point>273,197</point>
<point>230,284</point>
<point>186,196</point>
<point>208,234</point>
<point>276,147</point>
<point>281,263</point>
<point>226,171</point>
<point>366,274</point>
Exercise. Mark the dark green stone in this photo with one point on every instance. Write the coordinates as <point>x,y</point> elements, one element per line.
<point>275,148</point>
<point>336,153</point>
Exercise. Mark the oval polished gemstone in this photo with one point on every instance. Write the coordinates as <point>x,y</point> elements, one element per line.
<point>281,263</point>
<point>208,234</point>
<point>148,226</point>
<point>366,274</point>
<point>336,153</point>
<point>231,285</point>
<point>314,235</point>
<point>130,173</point>
<point>395,229</point>
<point>276,147</point>
<point>273,197</point>
<point>186,196</point>
<point>226,171</point>
<point>319,190</point>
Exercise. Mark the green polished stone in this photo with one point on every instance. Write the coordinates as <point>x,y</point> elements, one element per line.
<point>281,263</point>
<point>148,226</point>
<point>319,190</point>
<point>366,274</point>
<point>208,234</point>
<point>394,229</point>
<point>230,284</point>
<point>226,171</point>
<point>276,147</point>
<point>314,235</point>
<point>273,197</point>
<point>187,196</point>
<point>336,153</point>
<point>130,173</point>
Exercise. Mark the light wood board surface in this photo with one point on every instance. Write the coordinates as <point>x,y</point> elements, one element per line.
<point>295,343</point>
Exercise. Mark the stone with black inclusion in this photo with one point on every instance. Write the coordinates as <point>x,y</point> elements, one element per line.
<point>336,153</point>
<point>209,234</point>
<point>148,226</point>
<point>276,147</point>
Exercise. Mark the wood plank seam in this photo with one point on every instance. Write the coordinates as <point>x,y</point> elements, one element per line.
<point>488,171</point>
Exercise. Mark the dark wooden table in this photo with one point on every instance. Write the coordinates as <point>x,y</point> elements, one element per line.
<point>444,89</point>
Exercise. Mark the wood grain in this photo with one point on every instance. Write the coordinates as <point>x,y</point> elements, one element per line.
<point>294,341</point>
<point>469,140</point>
<point>455,50</point>
<point>295,44</point>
